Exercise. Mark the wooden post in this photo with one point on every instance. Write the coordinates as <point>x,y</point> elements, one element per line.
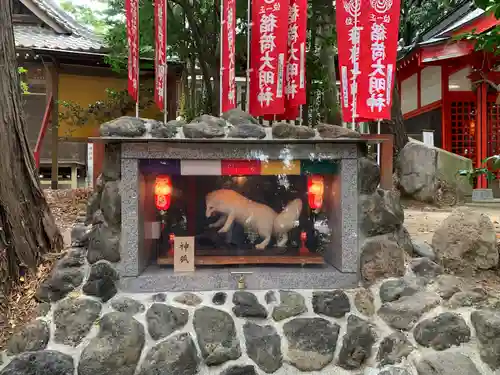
<point>54,89</point>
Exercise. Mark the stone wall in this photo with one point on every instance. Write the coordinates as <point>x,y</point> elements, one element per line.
<point>424,323</point>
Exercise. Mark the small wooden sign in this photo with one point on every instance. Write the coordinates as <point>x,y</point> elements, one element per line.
<point>184,254</point>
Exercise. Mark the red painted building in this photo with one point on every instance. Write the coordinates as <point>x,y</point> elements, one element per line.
<point>449,87</point>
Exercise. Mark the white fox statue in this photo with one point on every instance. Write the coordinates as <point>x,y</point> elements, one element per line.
<point>258,217</point>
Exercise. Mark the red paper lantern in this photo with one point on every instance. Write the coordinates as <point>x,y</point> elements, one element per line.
<point>315,191</point>
<point>163,192</point>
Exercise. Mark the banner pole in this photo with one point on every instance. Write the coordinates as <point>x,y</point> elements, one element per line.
<point>378,143</point>
<point>249,31</point>
<point>221,70</point>
<point>138,64</point>
<point>165,78</point>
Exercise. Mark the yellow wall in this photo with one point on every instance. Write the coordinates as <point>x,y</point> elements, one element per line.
<point>84,90</point>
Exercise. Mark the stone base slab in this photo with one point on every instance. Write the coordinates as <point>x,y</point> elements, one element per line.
<point>158,279</point>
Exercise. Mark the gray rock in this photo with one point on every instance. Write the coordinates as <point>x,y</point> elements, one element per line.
<point>369,175</point>
<point>357,343</point>
<point>393,290</point>
<point>203,129</point>
<point>74,258</point>
<point>159,297</point>
<point>405,312</point>
<point>176,123</point>
<point>446,363</point>
<point>238,117</point>
<point>176,355</point>
<point>283,130</point>
<point>92,207</point>
<point>270,297</point>
<point>213,120</point>
<point>79,235</point>
<point>381,259</point>
<point>247,131</point>
<point>334,304</point>
<point>102,281</point>
<point>127,305</point>
<point>393,370</point>
<point>304,132</point>
<point>216,335</point>
<point>400,236</point>
<point>161,130</point>
<point>111,204</point>
<point>466,240</point>
<point>239,370</point>
<point>36,363</point>
<point>188,299</point>
<point>423,249</point>
<point>104,244</point>
<point>442,332</point>
<point>219,298</point>
<point>426,268</point>
<point>246,305</point>
<point>163,320</point>
<point>73,319</point>
<point>467,298</point>
<point>60,284</point>
<point>381,213</point>
<point>42,309</point>
<point>487,326</point>
<point>263,346</point>
<point>33,337</point>
<point>394,348</point>
<point>112,165</point>
<point>447,285</point>
<point>335,131</point>
<point>311,342</point>
<point>364,302</point>
<point>292,304</point>
<point>125,126</point>
<point>116,349</point>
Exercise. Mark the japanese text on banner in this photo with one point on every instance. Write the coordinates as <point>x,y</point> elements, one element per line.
<point>228,70</point>
<point>379,60</point>
<point>350,31</point>
<point>161,52</point>
<point>268,56</point>
<point>295,88</point>
<point>132,15</point>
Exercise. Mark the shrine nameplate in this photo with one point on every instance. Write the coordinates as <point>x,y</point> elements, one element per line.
<point>184,254</point>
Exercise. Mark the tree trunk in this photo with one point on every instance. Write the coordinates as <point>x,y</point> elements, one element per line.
<point>27,228</point>
<point>331,112</point>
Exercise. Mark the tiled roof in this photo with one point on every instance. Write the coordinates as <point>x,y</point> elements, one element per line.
<point>29,36</point>
<point>74,38</point>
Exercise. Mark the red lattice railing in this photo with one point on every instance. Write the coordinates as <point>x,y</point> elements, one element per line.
<point>463,128</point>
<point>493,121</point>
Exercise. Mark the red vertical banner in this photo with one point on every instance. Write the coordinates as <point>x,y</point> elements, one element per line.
<point>132,15</point>
<point>350,32</point>
<point>161,53</point>
<point>228,71</point>
<point>378,59</point>
<point>295,88</point>
<point>268,56</point>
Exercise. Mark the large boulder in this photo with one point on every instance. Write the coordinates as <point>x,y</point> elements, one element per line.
<point>466,241</point>
<point>381,258</point>
<point>205,127</point>
<point>284,130</point>
<point>247,131</point>
<point>336,131</point>
<point>487,326</point>
<point>116,349</point>
<point>36,363</point>
<point>161,130</point>
<point>237,117</point>
<point>423,169</point>
<point>111,204</point>
<point>104,244</point>
<point>381,212</point>
<point>102,281</point>
<point>369,175</point>
<point>125,126</point>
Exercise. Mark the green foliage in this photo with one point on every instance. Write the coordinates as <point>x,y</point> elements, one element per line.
<point>488,168</point>
<point>490,40</point>
<point>24,86</point>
